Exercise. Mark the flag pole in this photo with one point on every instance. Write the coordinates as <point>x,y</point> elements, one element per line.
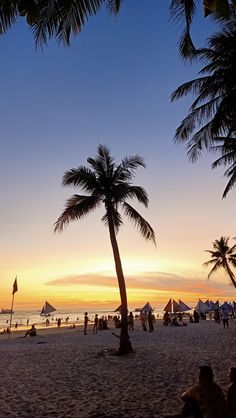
<point>14,290</point>
<point>12,302</point>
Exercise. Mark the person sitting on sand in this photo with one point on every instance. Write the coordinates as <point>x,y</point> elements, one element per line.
<point>166,319</point>
<point>31,332</point>
<point>205,399</point>
<point>231,394</point>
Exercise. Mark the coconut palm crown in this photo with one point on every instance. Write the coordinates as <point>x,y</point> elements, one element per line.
<point>213,112</point>
<point>108,184</point>
<point>222,256</point>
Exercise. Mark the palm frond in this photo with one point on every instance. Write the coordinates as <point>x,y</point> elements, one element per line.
<point>83,177</point>
<point>143,226</point>
<point>8,14</point>
<point>76,208</point>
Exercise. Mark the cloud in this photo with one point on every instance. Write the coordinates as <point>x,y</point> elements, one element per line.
<point>153,281</point>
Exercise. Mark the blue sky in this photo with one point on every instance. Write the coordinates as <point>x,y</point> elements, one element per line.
<point>112,86</point>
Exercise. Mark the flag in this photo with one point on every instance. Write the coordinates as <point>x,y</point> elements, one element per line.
<point>15,287</point>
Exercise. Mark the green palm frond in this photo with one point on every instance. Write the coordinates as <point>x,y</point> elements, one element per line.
<point>76,208</point>
<point>143,226</point>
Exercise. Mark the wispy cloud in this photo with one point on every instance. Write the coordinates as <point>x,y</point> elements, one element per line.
<point>154,281</point>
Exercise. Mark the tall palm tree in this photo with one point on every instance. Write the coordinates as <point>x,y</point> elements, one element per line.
<point>110,184</point>
<point>213,112</point>
<point>222,257</point>
<point>226,147</point>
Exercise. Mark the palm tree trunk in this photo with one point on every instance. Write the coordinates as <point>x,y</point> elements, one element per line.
<point>125,344</point>
<point>231,274</point>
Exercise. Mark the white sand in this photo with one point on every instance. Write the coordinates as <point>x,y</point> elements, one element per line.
<point>60,373</point>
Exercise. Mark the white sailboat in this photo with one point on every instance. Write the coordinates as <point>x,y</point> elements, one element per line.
<point>47,309</point>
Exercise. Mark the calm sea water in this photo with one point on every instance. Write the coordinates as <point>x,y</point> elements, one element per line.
<point>75,316</point>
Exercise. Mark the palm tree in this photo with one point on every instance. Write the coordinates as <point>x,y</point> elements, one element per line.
<point>61,18</point>
<point>226,147</point>
<point>109,184</point>
<point>213,111</point>
<point>222,257</point>
<point>184,11</point>
<point>53,18</point>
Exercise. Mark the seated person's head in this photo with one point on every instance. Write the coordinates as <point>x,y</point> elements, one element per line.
<point>232,374</point>
<point>205,374</point>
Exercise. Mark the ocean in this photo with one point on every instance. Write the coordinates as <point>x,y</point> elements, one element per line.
<point>76,316</point>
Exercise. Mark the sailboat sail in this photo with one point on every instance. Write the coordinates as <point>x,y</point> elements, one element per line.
<point>47,309</point>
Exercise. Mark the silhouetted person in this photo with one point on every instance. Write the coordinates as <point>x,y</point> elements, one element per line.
<point>166,318</point>
<point>95,326</point>
<point>59,322</point>
<point>205,399</point>
<point>225,318</point>
<point>150,321</point>
<point>231,394</point>
<point>85,322</point>
<point>195,316</point>
<point>31,332</point>
<point>143,321</point>
<point>131,321</point>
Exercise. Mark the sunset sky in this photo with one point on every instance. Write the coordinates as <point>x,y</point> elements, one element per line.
<point>112,86</point>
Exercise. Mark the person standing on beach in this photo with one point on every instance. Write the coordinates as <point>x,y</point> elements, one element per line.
<point>231,394</point>
<point>225,318</point>
<point>150,321</point>
<point>95,326</point>
<point>131,321</point>
<point>85,322</point>
<point>58,322</point>
<point>143,321</point>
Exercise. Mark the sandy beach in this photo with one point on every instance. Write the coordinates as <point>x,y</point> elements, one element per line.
<point>63,373</point>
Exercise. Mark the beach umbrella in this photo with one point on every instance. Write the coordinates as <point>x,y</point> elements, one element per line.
<point>183,307</point>
<point>168,307</point>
